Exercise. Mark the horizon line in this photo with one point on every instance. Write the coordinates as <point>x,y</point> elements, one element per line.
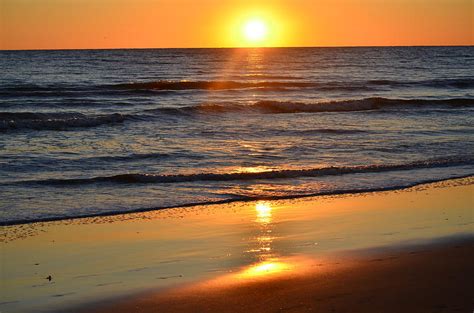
<point>256,47</point>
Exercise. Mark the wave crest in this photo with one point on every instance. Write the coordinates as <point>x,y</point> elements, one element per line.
<point>208,85</point>
<point>459,83</point>
<point>281,107</point>
<point>274,83</point>
<point>55,121</point>
<point>138,178</point>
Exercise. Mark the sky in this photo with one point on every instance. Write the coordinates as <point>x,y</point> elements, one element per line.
<point>95,24</point>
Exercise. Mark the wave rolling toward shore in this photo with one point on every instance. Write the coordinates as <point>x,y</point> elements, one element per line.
<point>180,128</point>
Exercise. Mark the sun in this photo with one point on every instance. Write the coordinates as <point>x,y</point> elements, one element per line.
<point>255,31</point>
<point>257,28</point>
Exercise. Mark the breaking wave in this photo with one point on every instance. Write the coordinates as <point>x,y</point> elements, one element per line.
<point>72,120</point>
<point>280,107</point>
<point>138,178</point>
<point>262,82</point>
<point>209,85</point>
<point>459,83</point>
<point>55,121</point>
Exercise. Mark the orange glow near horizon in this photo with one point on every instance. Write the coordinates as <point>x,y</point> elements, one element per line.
<point>82,24</point>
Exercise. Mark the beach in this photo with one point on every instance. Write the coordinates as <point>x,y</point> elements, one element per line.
<point>402,250</point>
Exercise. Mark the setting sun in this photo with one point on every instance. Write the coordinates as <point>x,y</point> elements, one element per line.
<point>255,31</point>
<point>256,27</point>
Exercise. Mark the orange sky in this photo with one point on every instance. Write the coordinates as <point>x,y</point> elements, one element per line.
<point>69,24</point>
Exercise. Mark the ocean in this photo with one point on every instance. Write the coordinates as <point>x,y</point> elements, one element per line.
<point>98,132</point>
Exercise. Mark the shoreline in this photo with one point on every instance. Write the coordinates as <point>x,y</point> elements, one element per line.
<point>230,201</point>
<point>103,260</point>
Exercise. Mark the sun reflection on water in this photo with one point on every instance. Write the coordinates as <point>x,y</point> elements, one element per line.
<point>253,169</point>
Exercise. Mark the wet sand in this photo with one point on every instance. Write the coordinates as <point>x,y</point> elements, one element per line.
<point>368,252</point>
<point>427,278</point>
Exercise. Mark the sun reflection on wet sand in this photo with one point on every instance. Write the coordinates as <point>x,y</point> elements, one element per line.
<point>263,241</point>
<point>264,269</point>
<point>265,261</point>
<point>268,260</point>
<point>264,212</point>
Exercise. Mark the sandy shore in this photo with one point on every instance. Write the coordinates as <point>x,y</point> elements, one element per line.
<point>428,278</point>
<point>368,252</point>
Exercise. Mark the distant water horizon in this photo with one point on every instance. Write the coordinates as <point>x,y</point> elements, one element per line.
<point>109,131</point>
<point>250,47</point>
